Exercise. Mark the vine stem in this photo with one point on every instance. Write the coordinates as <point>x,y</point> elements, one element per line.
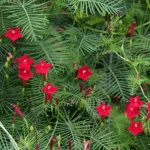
<point>53,131</point>
<point>141,86</point>
<point>147,23</point>
<point>126,59</point>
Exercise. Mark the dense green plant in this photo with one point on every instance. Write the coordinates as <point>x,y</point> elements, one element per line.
<point>75,32</point>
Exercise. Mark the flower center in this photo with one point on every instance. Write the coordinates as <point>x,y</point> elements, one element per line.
<point>135,100</point>
<point>42,65</point>
<point>136,125</point>
<point>84,71</point>
<point>24,71</point>
<point>25,61</point>
<point>103,107</point>
<point>48,87</point>
<point>13,32</point>
<point>131,108</point>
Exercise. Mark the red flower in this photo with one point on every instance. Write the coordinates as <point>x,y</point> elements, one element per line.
<point>57,101</point>
<point>132,29</point>
<point>24,62</point>
<point>148,116</point>
<point>81,87</point>
<point>84,73</point>
<point>42,68</point>
<point>132,111</point>
<point>18,111</point>
<point>10,55</point>
<point>25,74</point>
<point>49,90</point>
<point>127,104</point>
<point>37,147</point>
<point>87,92</point>
<point>103,110</point>
<point>117,100</point>
<point>60,29</point>
<point>135,127</point>
<point>135,102</point>
<point>116,148</point>
<point>52,142</point>
<point>13,34</point>
<point>69,144</point>
<point>86,145</point>
<point>148,106</point>
<point>14,118</point>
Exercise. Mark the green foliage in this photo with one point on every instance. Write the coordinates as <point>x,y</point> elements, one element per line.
<point>87,32</point>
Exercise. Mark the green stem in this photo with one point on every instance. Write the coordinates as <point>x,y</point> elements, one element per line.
<point>141,86</point>
<point>27,125</point>
<point>147,23</point>
<point>53,132</point>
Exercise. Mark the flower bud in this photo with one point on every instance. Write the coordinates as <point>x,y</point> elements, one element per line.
<point>48,128</point>
<point>103,13</point>
<point>6,64</point>
<point>31,128</point>
<point>8,59</point>
<point>7,76</point>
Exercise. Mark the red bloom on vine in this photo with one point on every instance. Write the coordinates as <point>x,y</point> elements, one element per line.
<point>117,100</point>
<point>148,106</point>
<point>18,111</point>
<point>132,111</point>
<point>14,118</point>
<point>148,116</point>
<point>24,62</point>
<point>13,34</point>
<point>52,142</point>
<point>103,110</point>
<point>135,127</point>
<point>126,108</point>
<point>49,90</point>
<point>84,73</point>
<point>135,102</point>
<point>132,30</point>
<point>87,92</point>
<point>25,74</point>
<point>86,145</point>
<point>42,68</point>
<point>69,145</point>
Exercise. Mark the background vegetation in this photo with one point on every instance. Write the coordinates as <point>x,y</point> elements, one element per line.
<point>88,32</point>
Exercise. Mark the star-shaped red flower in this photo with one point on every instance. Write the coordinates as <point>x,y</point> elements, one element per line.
<point>25,74</point>
<point>49,89</point>
<point>103,110</point>
<point>24,62</point>
<point>135,127</point>
<point>42,67</point>
<point>148,106</point>
<point>84,73</point>
<point>132,111</point>
<point>135,101</point>
<point>13,34</point>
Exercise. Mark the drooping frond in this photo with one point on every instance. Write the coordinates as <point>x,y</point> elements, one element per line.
<point>29,17</point>
<point>97,6</point>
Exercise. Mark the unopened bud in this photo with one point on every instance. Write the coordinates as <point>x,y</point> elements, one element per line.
<point>8,59</point>
<point>31,128</point>
<point>7,76</point>
<point>48,128</point>
<point>6,65</point>
<point>103,13</point>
